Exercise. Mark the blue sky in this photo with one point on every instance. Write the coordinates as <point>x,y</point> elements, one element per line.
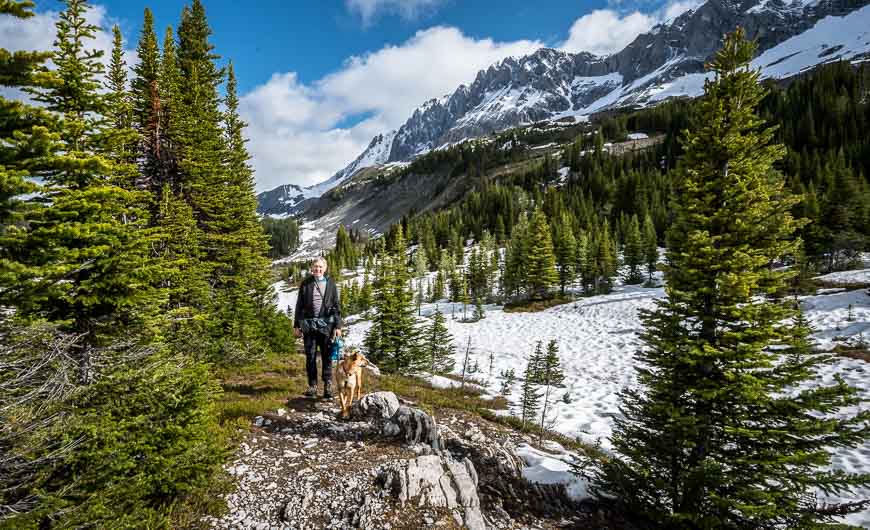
<point>319,78</point>
<point>314,38</point>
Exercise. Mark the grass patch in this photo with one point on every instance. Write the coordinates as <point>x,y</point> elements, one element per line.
<point>854,351</point>
<point>536,305</point>
<point>535,429</point>
<point>433,399</point>
<point>253,389</point>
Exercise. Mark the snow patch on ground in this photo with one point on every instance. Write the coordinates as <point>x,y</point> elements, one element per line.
<point>846,277</point>
<point>597,339</point>
<point>553,467</point>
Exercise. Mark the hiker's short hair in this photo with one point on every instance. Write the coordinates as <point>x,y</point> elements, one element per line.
<point>320,260</point>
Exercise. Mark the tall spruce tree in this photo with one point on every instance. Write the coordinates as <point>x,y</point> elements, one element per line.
<point>541,274</point>
<point>632,252</point>
<point>724,431</point>
<point>96,276</point>
<point>566,251</point>
<point>122,138</point>
<point>530,396</point>
<point>650,246</point>
<point>146,105</point>
<point>393,341</point>
<point>551,376</point>
<point>438,347</point>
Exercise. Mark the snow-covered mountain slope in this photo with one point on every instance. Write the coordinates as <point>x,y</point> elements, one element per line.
<point>666,62</point>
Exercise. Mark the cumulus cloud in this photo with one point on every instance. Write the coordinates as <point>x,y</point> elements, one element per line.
<point>296,129</point>
<point>38,33</point>
<point>369,10</point>
<point>605,31</point>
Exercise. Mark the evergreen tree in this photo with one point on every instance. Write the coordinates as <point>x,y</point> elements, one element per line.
<point>146,105</point>
<point>96,277</point>
<point>393,341</point>
<point>438,348</point>
<point>584,262</point>
<point>124,427</point>
<point>28,136</point>
<point>632,253</point>
<point>650,246</point>
<point>541,259</point>
<point>551,376</point>
<point>121,142</point>
<point>420,270</point>
<point>530,396</point>
<point>479,313</point>
<point>516,260</point>
<point>163,154</point>
<point>566,251</point>
<point>508,377</point>
<point>719,416</point>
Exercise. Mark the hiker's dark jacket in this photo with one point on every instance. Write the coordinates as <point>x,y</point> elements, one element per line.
<point>329,309</point>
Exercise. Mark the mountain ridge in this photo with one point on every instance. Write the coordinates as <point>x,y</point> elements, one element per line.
<point>549,84</point>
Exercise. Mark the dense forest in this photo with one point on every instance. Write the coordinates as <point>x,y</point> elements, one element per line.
<point>132,263</point>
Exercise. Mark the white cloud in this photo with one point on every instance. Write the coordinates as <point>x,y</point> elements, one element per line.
<point>295,129</point>
<point>38,33</point>
<point>368,10</point>
<point>605,31</point>
<point>672,10</point>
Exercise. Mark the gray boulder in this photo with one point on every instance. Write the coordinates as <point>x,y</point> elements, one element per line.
<point>414,426</point>
<point>375,406</point>
<point>409,424</point>
<point>437,481</point>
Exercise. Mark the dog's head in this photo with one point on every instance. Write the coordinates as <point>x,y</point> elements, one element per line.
<point>357,359</point>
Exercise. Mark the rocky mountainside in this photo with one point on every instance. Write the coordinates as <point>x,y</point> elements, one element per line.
<point>663,63</point>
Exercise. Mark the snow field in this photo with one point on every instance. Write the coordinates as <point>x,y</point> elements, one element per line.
<point>597,339</point>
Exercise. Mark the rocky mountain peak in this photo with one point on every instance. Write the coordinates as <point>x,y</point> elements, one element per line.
<point>667,61</point>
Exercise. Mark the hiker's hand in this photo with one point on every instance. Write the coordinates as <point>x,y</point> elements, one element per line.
<point>297,332</point>
<point>336,334</point>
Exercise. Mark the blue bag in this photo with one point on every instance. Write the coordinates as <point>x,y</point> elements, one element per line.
<point>337,345</point>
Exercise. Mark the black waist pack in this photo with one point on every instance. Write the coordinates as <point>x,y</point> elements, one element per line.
<point>315,325</point>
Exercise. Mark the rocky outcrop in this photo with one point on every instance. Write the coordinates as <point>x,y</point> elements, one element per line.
<point>437,481</point>
<point>411,425</point>
<point>305,468</point>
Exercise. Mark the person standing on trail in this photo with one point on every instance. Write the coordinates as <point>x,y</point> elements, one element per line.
<point>317,319</point>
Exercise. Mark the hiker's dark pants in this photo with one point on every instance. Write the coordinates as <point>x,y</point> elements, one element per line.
<point>314,342</point>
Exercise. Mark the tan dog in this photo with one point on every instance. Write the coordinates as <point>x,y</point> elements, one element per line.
<point>348,381</point>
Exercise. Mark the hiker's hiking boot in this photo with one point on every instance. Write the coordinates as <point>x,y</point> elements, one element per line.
<point>327,391</point>
<point>311,392</point>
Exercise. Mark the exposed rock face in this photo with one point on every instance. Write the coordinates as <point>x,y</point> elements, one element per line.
<point>438,481</point>
<point>411,425</point>
<point>305,468</point>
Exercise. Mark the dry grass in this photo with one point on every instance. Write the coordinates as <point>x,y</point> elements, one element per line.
<point>854,351</point>
<point>536,306</point>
